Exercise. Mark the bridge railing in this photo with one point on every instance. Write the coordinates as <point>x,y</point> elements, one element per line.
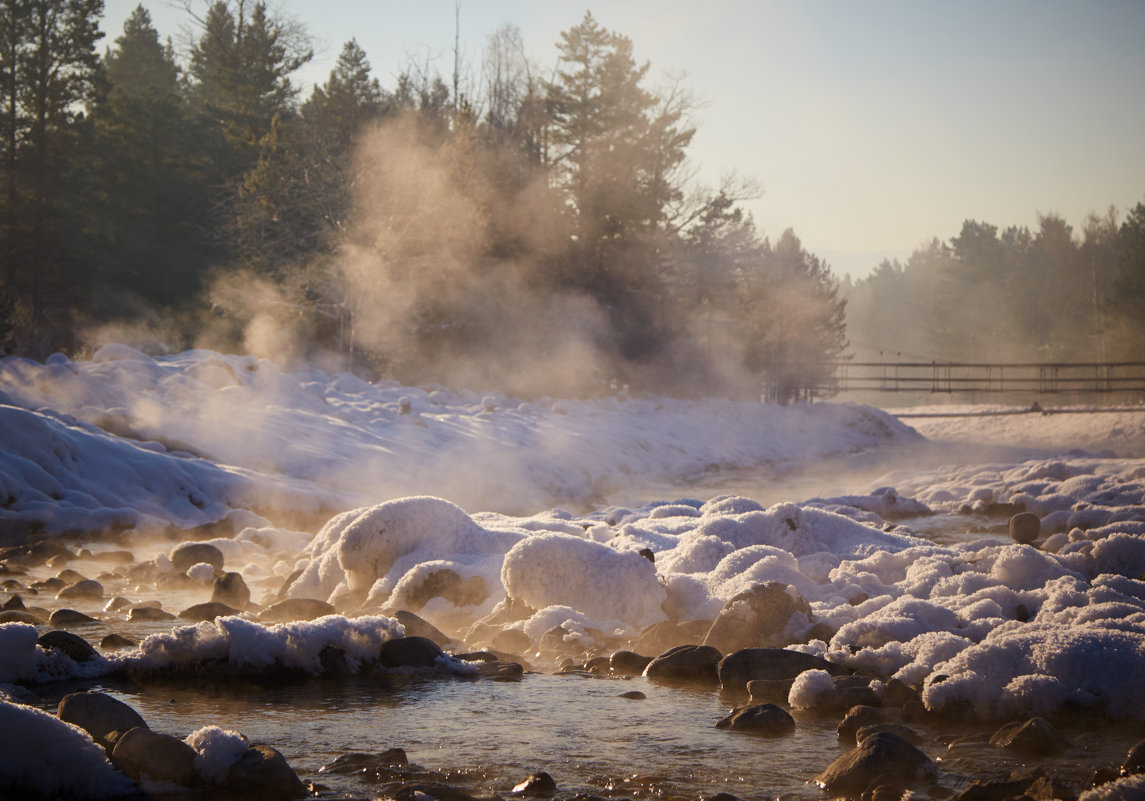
<point>790,382</point>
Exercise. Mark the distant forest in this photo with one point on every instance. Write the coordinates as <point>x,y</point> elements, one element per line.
<point>538,230</point>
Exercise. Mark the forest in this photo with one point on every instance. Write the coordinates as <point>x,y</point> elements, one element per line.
<point>536,230</point>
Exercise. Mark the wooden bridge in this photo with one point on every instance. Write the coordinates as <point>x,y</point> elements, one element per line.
<point>795,382</point>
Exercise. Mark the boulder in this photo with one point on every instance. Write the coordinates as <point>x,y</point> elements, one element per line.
<point>420,627</point>
<point>686,664</point>
<point>1033,737</point>
<point>905,732</point>
<point>115,642</point>
<point>148,614</point>
<point>1135,760</point>
<point>358,762</point>
<point>768,720</point>
<point>1025,527</point>
<point>445,583</point>
<point>769,691</point>
<point>21,616</point>
<point>539,783</point>
<point>84,590</point>
<point>70,617</point>
<point>295,609</point>
<point>881,759</point>
<point>628,663</point>
<point>162,757</point>
<point>207,611</point>
<point>859,717</point>
<point>421,791</point>
<point>262,774</point>
<point>756,618</point>
<point>230,589</point>
<point>192,553</point>
<point>752,664</point>
<point>418,652</point>
<point>98,714</point>
<point>660,637</point>
<point>65,642</point>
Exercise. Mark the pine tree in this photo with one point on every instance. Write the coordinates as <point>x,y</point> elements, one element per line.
<point>146,201</point>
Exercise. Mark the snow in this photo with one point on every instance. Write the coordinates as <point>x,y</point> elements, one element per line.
<point>42,756</point>
<point>449,504</point>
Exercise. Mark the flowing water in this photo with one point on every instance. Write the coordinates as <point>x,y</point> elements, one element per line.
<point>486,736</point>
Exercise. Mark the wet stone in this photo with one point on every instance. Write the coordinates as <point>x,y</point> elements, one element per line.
<point>70,617</point>
<point>207,611</point>
<point>295,609</point>
<point>767,720</point>
<point>1033,737</point>
<point>84,589</point>
<point>98,714</point>
<point>148,614</point>
<point>686,664</point>
<point>187,554</point>
<point>65,642</point>
<point>116,642</point>
<point>539,783</point>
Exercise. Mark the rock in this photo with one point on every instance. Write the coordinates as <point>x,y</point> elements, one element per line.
<point>262,774</point>
<point>1033,737</point>
<point>1025,527</point>
<point>21,616</point>
<point>358,762</point>
<point>419,652</point>
<point>230,589</point>
<point>848,692</point>
<point>501,671</point>
<point>769,691</point>
<point>295,609</point>
<point>84,590</point>
<point>899,693</point>
<point>148,614</point>
<point>13,603</point>
<point>117,604</point>
<point>879,759</point>
<point>192,553</point>
<point>98,714</point>
<point>70,617</point>
<point>663,636</point>
<point>686,664</point>
<point>905,732</point>
<point>421,791</point>
<point>512,640</point>
<point>634,695</point>
<point>1135,760</point>
<point>445,583</point>
<point>65,642</point>
<point>756,618</point>
<point>995,790</point>
<point>858,717</point>
<point>539,783</point>
<point>1046,788</point>
<point>115,642</point>
<point>767,720</point>
<point>751,664</point>
<point>419,627</point>
<point>207,611</point>
<point>628,663</point>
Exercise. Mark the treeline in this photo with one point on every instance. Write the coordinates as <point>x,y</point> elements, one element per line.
<point>1050,295</point>
<point>535,230</point>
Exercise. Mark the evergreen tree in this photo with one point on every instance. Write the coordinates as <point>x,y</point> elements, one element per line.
<point>147,202</point>
<point>51,71</point>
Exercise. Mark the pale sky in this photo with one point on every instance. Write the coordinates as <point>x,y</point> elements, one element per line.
<point>870,125</point>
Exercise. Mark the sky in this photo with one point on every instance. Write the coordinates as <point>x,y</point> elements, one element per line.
<point>870,127</point>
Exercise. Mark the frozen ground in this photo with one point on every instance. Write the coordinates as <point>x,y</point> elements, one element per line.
<point>124,447</point>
